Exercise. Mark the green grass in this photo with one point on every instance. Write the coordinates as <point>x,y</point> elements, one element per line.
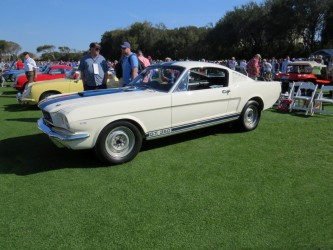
<point>208,189</point>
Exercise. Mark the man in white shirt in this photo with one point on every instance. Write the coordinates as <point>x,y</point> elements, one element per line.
<point>30,67</point>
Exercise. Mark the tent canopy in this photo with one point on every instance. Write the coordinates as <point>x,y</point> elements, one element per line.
<point>323,52</point>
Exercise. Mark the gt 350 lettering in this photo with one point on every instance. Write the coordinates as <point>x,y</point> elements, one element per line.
<point>159,132</point>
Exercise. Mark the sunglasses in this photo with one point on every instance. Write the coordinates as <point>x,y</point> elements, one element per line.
<point>97,48</point>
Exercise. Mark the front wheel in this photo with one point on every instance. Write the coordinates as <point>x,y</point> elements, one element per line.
<point>46,95</point>
<point>118,142</point>
<point>250,116</point>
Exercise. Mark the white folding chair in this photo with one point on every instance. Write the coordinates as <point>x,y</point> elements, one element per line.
<point>304,96</point>
<point>285,98</point>
<point>325,96</point>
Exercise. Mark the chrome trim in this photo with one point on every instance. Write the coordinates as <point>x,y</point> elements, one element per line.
<point>19,97</point>
<point>47,130</point>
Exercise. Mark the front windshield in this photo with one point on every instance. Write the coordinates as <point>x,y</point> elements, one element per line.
<point>158,77</point>
<point>300,69</point>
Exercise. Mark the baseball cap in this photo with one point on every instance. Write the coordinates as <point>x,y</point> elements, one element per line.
<point>94,45</point>
<point>126,45</point>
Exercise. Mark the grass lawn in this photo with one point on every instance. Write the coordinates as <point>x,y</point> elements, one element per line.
<point>208,189</point>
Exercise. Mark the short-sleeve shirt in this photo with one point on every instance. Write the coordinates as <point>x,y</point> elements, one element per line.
<point>29,64</point>
<point>127,67</point>
<point>86,66</point>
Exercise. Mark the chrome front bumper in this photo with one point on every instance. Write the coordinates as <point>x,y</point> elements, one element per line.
<point>60,138</point>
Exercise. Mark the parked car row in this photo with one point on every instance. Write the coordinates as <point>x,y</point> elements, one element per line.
<point>37,91</point>
<point>51,72</point>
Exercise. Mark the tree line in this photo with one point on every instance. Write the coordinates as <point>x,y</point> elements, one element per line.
<point>272,28</point>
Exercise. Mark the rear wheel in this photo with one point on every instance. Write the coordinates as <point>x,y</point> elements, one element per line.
<point>118,142</point>
<point>250,116</point>
<point>11,78</point>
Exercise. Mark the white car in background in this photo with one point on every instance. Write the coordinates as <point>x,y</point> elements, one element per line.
<point>165,99</point>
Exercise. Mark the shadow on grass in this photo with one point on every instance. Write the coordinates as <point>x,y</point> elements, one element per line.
<point>6,93</point>
<point>36,153</point>
<point>33,120</point>
<point>226,128</point>
<point>297,113</point>
<point>19,107</point>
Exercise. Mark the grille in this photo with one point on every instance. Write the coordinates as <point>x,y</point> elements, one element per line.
<point>47,116</point>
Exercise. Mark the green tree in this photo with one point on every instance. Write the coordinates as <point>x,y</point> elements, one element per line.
<point>9,50</point>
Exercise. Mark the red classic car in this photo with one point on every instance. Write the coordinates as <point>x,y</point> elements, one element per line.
<point>52,72</point>
<point>305,71</point>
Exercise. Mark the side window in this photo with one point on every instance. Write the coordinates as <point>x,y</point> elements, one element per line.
<point>207,78</point>
<point>183,84</point>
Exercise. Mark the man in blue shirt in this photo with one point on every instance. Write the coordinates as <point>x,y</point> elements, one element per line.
<point>130,64</point>
<point>94,69</point>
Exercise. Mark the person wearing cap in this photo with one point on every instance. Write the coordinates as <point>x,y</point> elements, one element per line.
<point>130,63</point>
<point>253,67</point>
<point>30,67</point>
<point>94,68</point>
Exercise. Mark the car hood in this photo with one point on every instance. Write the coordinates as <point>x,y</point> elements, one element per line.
<point>96,103</point>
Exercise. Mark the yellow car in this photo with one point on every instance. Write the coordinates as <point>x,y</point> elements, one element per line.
<point>38,91</point>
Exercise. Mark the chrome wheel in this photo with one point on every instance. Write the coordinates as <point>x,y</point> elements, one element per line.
<point>250,116</point>
<point>119,142</point>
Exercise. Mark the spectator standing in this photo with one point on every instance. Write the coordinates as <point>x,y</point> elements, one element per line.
<point>275,66</point>
<point>330,68</point>
<point>143,59</point>
<point>94,68</point>
<point>242,67</point>
<point>130,64</point>
<point>232,64</point>
<point>267,69</point>
<point>19,64</point>
<point>150,60</point>
<point>253,67</point>
<point>30,67</point>
<point>284,66</point>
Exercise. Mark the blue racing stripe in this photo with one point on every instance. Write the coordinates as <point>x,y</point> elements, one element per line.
<point>190,126</point>
<point>204,123</point>
<point>83,94</point>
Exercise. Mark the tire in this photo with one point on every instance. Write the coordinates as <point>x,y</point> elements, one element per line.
<point>118,142</point>
<point>11,78</point>
<point>45,95</point>
<point>250,116</point>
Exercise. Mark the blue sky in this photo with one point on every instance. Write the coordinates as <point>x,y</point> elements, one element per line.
<point>76,23</point>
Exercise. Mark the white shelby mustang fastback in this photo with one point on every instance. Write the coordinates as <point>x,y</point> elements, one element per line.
<point>165,99</point>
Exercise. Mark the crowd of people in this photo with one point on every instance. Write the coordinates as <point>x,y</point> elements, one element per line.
<point>265,69</point>
<point>94,67</point>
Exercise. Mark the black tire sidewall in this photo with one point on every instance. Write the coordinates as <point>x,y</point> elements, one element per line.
<point>241,122</point>
<point>101,151</point>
